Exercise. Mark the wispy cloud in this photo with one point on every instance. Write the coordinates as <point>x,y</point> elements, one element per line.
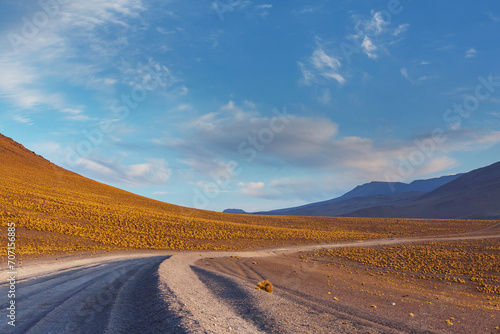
<point>75,114</point>
<point>23,119</point>
<point>254,189</point>
<point>374,34</point>
<point>160,193</point>
<point>21,85</point>
<point>470,53</point>
<point>309,9</point>
<point>48,149</point>
<point>369,48</point>
<point>371,37</point>
<point>89,14</point>
<point>321,65</point>
<point>401,29</point>
<point>493,16</point>
<point>152,172</point>
<point>404,72</point>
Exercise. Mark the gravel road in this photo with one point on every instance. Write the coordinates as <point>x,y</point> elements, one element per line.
<point>161,293</point>
<point>101,295</point>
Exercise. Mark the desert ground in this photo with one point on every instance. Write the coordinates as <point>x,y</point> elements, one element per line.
<point>315,291</point>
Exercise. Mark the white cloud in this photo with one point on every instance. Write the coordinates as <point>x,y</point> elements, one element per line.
<point>153,172</point>
<point>75,114</point>
<point>89,14</point>
<point>437,165</point>
<point>21,86</point>
<point>373,35</point>
<point>307,189</point>
<point>22,119</point>
<point>78,118</point>
<point>72,111</point>
<point>46,148</point>
<point>404,73</point>
<point>164,31</point>
<point>210,167</point>
<point>488,139</point>
<point>308,9</point>
<point>321,65</point>
<point>493,16</point>
<point>470,53</point>
<point>325,96</point>
<point>160,193</point>
<point>254,189</point>
<point>401,29</point>
<point>241,3</point>
<point>376,25</point>
<point>427,77</point>
<point>369,48</point>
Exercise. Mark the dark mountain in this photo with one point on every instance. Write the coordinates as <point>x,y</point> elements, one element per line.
<point>349,205</point>
<point>474,195</point>
<point>369,194</point>
<point>239,211</point>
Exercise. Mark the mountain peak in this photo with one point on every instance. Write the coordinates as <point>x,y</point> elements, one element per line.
<point>237,211</point>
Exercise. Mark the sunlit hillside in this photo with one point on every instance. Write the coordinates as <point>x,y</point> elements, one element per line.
<point>58,211</point>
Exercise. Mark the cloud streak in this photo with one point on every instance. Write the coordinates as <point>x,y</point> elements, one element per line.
<point>152,172</point>
<point>375,34</point>
<point>321,66</point>
<point>470,53</point>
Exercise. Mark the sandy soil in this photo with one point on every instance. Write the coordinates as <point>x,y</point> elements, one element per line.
<point>339,292</point>
<point>210,292</point>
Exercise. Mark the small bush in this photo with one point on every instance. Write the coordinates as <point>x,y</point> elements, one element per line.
<point>265,285</point>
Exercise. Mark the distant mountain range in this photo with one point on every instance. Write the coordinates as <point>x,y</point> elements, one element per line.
<point>473,195</point>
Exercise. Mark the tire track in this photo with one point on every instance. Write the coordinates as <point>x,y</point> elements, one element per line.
<point>83,302</point>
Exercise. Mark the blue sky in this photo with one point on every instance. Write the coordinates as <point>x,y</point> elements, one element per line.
<point>252,104</point>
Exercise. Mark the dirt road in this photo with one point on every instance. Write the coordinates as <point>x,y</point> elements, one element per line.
<point>164,293</point>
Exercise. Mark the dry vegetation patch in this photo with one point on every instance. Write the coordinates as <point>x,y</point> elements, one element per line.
<point>476,261</point>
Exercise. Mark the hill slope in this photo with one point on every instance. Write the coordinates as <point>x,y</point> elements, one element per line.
<point>474,195</point>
